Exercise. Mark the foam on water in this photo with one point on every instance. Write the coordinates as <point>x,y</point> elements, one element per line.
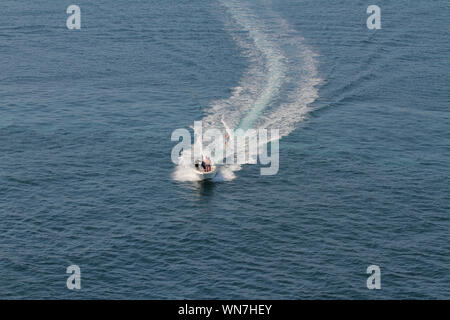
<point>279,85</point>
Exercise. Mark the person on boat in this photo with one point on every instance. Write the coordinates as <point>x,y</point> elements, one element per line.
<point>204,165</point>
<point>208,164</point>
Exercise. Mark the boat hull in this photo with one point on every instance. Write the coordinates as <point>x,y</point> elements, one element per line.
<point>206,175</point>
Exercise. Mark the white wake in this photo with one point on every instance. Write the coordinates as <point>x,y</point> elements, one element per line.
<point>277,88</point>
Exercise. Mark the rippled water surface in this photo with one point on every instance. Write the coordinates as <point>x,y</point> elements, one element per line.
<point>85,173</point>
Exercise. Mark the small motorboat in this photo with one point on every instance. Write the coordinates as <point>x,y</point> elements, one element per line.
<point>206,175</point>
<point>206,172</point>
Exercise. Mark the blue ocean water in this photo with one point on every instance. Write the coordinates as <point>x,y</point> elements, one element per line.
<point>86,178</point>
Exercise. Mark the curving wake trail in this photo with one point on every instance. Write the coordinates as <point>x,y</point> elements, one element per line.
<point>279,85</point>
